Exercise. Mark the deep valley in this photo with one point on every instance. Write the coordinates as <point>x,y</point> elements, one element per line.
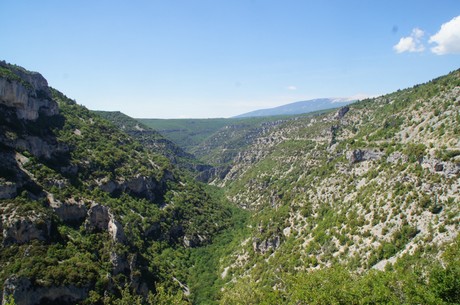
<point>352,205</point>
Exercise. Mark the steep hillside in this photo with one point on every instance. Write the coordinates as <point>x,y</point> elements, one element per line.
<point>299,107</point>
<point>88,215</point>
<point>357,205</point>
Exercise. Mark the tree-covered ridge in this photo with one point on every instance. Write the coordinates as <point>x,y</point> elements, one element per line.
<point>187,133</point>
<point>151,140</point>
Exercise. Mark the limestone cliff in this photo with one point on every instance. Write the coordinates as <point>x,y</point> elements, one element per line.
<point>27,92</point>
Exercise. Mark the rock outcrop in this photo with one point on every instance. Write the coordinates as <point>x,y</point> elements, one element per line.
<point>119,263</point>
<point>209,173</point>
<point>138,186</point>
<point>100,218</point>
<point>341,112</point>
<point>359,155</point>
<point>22,229</point>
<point>39,147</point>
<point>68,211</point>
<point>448,169</point>
<point>8,189</point>
<point>26,104</point>
<point>27,92</point>
<point>14,178</point>
<point>397,157</point>
<point>194,240</point>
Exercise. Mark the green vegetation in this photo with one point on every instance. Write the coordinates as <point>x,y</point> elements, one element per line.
<point>151,140</point>
<point>187,133</point>
<point>195,134</point>
<point>11,76</point>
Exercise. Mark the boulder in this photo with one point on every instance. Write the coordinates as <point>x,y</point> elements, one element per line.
<point>438,167</point>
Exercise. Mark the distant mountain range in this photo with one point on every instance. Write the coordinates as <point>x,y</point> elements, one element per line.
<point>299,107</point>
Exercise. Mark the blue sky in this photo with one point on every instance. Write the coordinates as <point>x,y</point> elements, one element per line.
<point>210,58</point>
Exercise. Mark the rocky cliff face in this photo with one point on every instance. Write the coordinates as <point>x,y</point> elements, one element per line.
<point>29,117</point>
<point>26,92</point>
<point>28,114</point>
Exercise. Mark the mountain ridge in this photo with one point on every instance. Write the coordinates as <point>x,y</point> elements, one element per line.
<point>300,107</point>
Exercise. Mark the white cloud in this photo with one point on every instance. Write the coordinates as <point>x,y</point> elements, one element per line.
<point>447,38</point>
<point>291,88</point>
<point>411,43</point>
<point>417,33</point>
